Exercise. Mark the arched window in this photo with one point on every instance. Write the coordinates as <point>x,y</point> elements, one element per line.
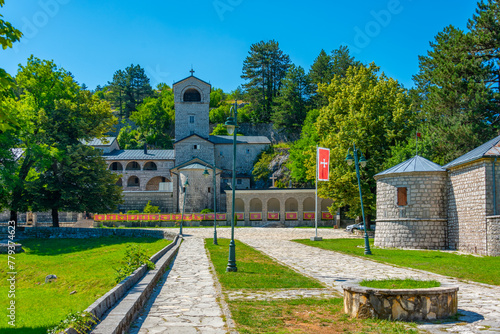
<point>133,181</point>
<point>309,204</point>
<point>291,205</point>
<point>192,95</point>
<point>133,165</point>
<point>150,166</point>
<point>116,166</point>
<point>119,183</point>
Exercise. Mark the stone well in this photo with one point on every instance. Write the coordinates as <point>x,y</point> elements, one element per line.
<point>400,304</point>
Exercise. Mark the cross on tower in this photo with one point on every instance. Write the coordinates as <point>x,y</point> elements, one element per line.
<point>192,71</point>
<point>324,163</point>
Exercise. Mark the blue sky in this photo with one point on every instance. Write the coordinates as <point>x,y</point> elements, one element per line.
<point>94,38</point>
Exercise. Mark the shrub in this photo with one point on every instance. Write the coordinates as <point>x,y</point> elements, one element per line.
<point>151,208</point>
<point>81,322</point>
<point>131,212</point>
<point>206,211</point>
<point>135,257</point>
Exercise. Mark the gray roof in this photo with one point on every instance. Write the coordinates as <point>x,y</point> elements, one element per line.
<point>239,140</point>
<point>194,166</point>
<point>106,141</point>
<point>488,149</point>
<point>139,155</point>
<point>415,164</point>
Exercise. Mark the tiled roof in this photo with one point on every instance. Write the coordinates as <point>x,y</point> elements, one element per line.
<point>191,76</point>
<point>239,140</point>
<point>488,149</point>
<point>415,164</point>
<point>194,166</point>
<point>139,155</point>
<point>106,141</point>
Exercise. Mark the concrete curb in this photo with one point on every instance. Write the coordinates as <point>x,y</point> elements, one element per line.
<point>122,303</point>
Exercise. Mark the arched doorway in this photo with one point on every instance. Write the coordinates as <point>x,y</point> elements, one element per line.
<point>273,205</point>
<point>239,205</point>
<point>291,205</point>
<point>255,205</point>
<point>309,204</point>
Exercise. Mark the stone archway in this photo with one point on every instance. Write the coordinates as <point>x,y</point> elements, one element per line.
<point>309,205</point>
<point>273,205</point>
<point>116,166</point>
<point>133,165</point>
<point>239,205</point>
<point>291,205</point>
<point>133,181</point>
<point>255,205</point>
<point>154,183</point>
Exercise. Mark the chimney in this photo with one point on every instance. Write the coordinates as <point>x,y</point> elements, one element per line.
<point>145,148</point>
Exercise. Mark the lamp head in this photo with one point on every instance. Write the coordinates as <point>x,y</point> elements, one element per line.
<point>362,160</point>
<point>230,125</point>
<point>349,158</point>
<point>186,183</point>
<point>205,172</point>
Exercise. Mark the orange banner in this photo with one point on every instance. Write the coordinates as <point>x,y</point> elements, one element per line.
<point>308,215</point>
<point>221,216</point>
<point>132,217</point>
<point>165,218</point>
<point>273,216</point>
<point>326,216</point>
<point>255,215</point>
<point>99,217</point>
<point>291,215</point>
<point>240,216</point>
<point>121,217</point>
<point>154,217</point>
<point>177,217</point>
<point>198,216</point>
<point>143,217</point>
<point>209,216</point>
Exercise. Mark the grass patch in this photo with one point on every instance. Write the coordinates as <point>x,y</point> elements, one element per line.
<point>307,315</point>
<point>255,270</point>
<point>468,267</point>
<point>83,265</point>
<point>407,283</point>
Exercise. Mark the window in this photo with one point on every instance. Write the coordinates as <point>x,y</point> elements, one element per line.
<point>191,119</point>
<point>248,151</point>
<point>209,190</point>
<point>238,181</point>
<point>402,196</point>
<point>196,147</point>
<point>192,95</point>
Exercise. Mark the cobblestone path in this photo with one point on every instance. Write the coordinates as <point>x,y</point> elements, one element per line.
<point>186,302</point>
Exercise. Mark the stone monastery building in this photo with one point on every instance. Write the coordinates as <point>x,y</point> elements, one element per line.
<point>159,175</point>
<point>423,205</point>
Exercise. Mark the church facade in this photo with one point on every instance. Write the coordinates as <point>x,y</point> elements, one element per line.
<point>160,176</point>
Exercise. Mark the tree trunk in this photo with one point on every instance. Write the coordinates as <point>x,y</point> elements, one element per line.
<point>13,217</point>
<point>55,217</point>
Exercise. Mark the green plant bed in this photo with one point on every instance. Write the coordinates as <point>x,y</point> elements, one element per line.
<point>483,269</point>
<point>255,270</point>
<point>85,266</point>
<point>396,283</point>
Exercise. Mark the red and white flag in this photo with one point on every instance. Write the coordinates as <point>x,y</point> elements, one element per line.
<point>323,155</point>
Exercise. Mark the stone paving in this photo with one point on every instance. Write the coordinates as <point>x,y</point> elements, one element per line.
<point>188,304</point>
<point>187,301</point>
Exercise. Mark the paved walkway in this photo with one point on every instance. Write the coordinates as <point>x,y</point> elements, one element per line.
<point>187,301</point>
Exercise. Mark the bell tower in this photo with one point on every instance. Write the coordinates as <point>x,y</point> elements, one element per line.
<point>192,104</point>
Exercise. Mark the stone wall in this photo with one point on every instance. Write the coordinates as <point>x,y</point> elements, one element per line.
<point>265,129</point>
<point>84,233</point>
<point>185,150</point>
<point>467,207</point>
<point>426,195</point>
<point>42,217</point>
<point>493,235</point>
<point>145,176</point>
<point>246,154</point>
<point>198,197</point>
<point>137,200</point>
<point>411,233</point>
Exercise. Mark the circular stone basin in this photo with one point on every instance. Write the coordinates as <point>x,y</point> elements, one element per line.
<point>400,304</point>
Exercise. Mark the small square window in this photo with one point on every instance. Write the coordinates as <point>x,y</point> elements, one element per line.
<point>191,119</point>
<point>238,181</point>
<point>402,196</point>
<point>248,151</point>
<point>196,147</point>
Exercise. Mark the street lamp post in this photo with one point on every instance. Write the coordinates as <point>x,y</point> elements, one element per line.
<point>206,174</point>
<point>184,204</point>
<point>362,162</point>
<point>232,129</point>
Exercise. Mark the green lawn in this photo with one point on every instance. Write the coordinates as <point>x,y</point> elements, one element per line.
<point>81,265</point>
<point>307,315</point>
<point>468,267</point>
<point>255,270</point>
